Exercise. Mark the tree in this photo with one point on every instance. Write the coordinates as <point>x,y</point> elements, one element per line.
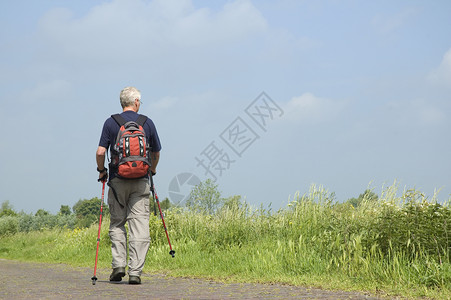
<point>233,202</point>
<point>367,195</point>
<point>88,211</point>
<point>65,210</point>
<point>41,213</point>
<point>165,204</point>
<point>7,209</point>
<point>205,198</point>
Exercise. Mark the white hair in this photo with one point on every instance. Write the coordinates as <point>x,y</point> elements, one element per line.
<point>129,95</point>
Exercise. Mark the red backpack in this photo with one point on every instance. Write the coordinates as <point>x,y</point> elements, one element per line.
<point>130,156</point>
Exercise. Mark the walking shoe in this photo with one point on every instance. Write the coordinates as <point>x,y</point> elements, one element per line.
<point>134,279</point>
<point>117,274</point>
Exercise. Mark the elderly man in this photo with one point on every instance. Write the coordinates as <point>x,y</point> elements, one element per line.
<point>128,199</point>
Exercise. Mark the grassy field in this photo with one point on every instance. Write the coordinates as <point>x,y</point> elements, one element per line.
<point>396,245</point>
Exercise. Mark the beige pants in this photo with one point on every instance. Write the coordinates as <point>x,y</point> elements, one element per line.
<point>132,206</point>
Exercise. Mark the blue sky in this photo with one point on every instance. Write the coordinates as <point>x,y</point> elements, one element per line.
<point>361,92</point>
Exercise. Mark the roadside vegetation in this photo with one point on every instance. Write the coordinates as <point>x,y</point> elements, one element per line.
<point>395,243</point>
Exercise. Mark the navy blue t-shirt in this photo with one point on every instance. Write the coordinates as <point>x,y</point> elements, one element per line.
<point>111,129</point>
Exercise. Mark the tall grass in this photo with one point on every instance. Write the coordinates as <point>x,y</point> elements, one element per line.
<point>395,245</point>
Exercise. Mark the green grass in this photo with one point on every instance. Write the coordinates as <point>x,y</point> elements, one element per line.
<point>397,245</point>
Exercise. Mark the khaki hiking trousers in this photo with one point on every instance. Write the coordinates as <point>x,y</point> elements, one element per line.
<point>132,206</point>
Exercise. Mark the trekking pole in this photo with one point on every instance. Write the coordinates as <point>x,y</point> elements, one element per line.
<point>154,207</point>
<point>155,198</point>
<point>94,278</point>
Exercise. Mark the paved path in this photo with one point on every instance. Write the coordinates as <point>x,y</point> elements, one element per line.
<point>24,280</point>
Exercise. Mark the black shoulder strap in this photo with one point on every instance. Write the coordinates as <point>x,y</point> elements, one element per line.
<point>141,120</point>
<point>119,119</point>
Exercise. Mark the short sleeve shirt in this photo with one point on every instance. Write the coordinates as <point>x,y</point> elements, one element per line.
<point>111,129</point>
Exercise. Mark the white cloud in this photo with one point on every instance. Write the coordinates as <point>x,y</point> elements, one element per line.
<point>135,30</point>
<point>442,74</point>
<point>309,108</point>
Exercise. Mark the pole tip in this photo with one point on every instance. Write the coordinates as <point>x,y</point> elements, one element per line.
<point>172,253</point>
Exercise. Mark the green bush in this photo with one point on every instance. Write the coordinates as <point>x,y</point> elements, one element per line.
<point>8,225</point>
<point>29,222</point>
<point>416,228</point>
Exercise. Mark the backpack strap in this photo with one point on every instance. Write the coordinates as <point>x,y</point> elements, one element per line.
<point>141,120</point>
<point>119,119</point>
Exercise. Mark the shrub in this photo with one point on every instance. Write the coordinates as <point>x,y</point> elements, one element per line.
<point>9,225</point>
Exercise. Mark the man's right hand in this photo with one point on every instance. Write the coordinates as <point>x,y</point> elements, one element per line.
<point>103,176</point>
